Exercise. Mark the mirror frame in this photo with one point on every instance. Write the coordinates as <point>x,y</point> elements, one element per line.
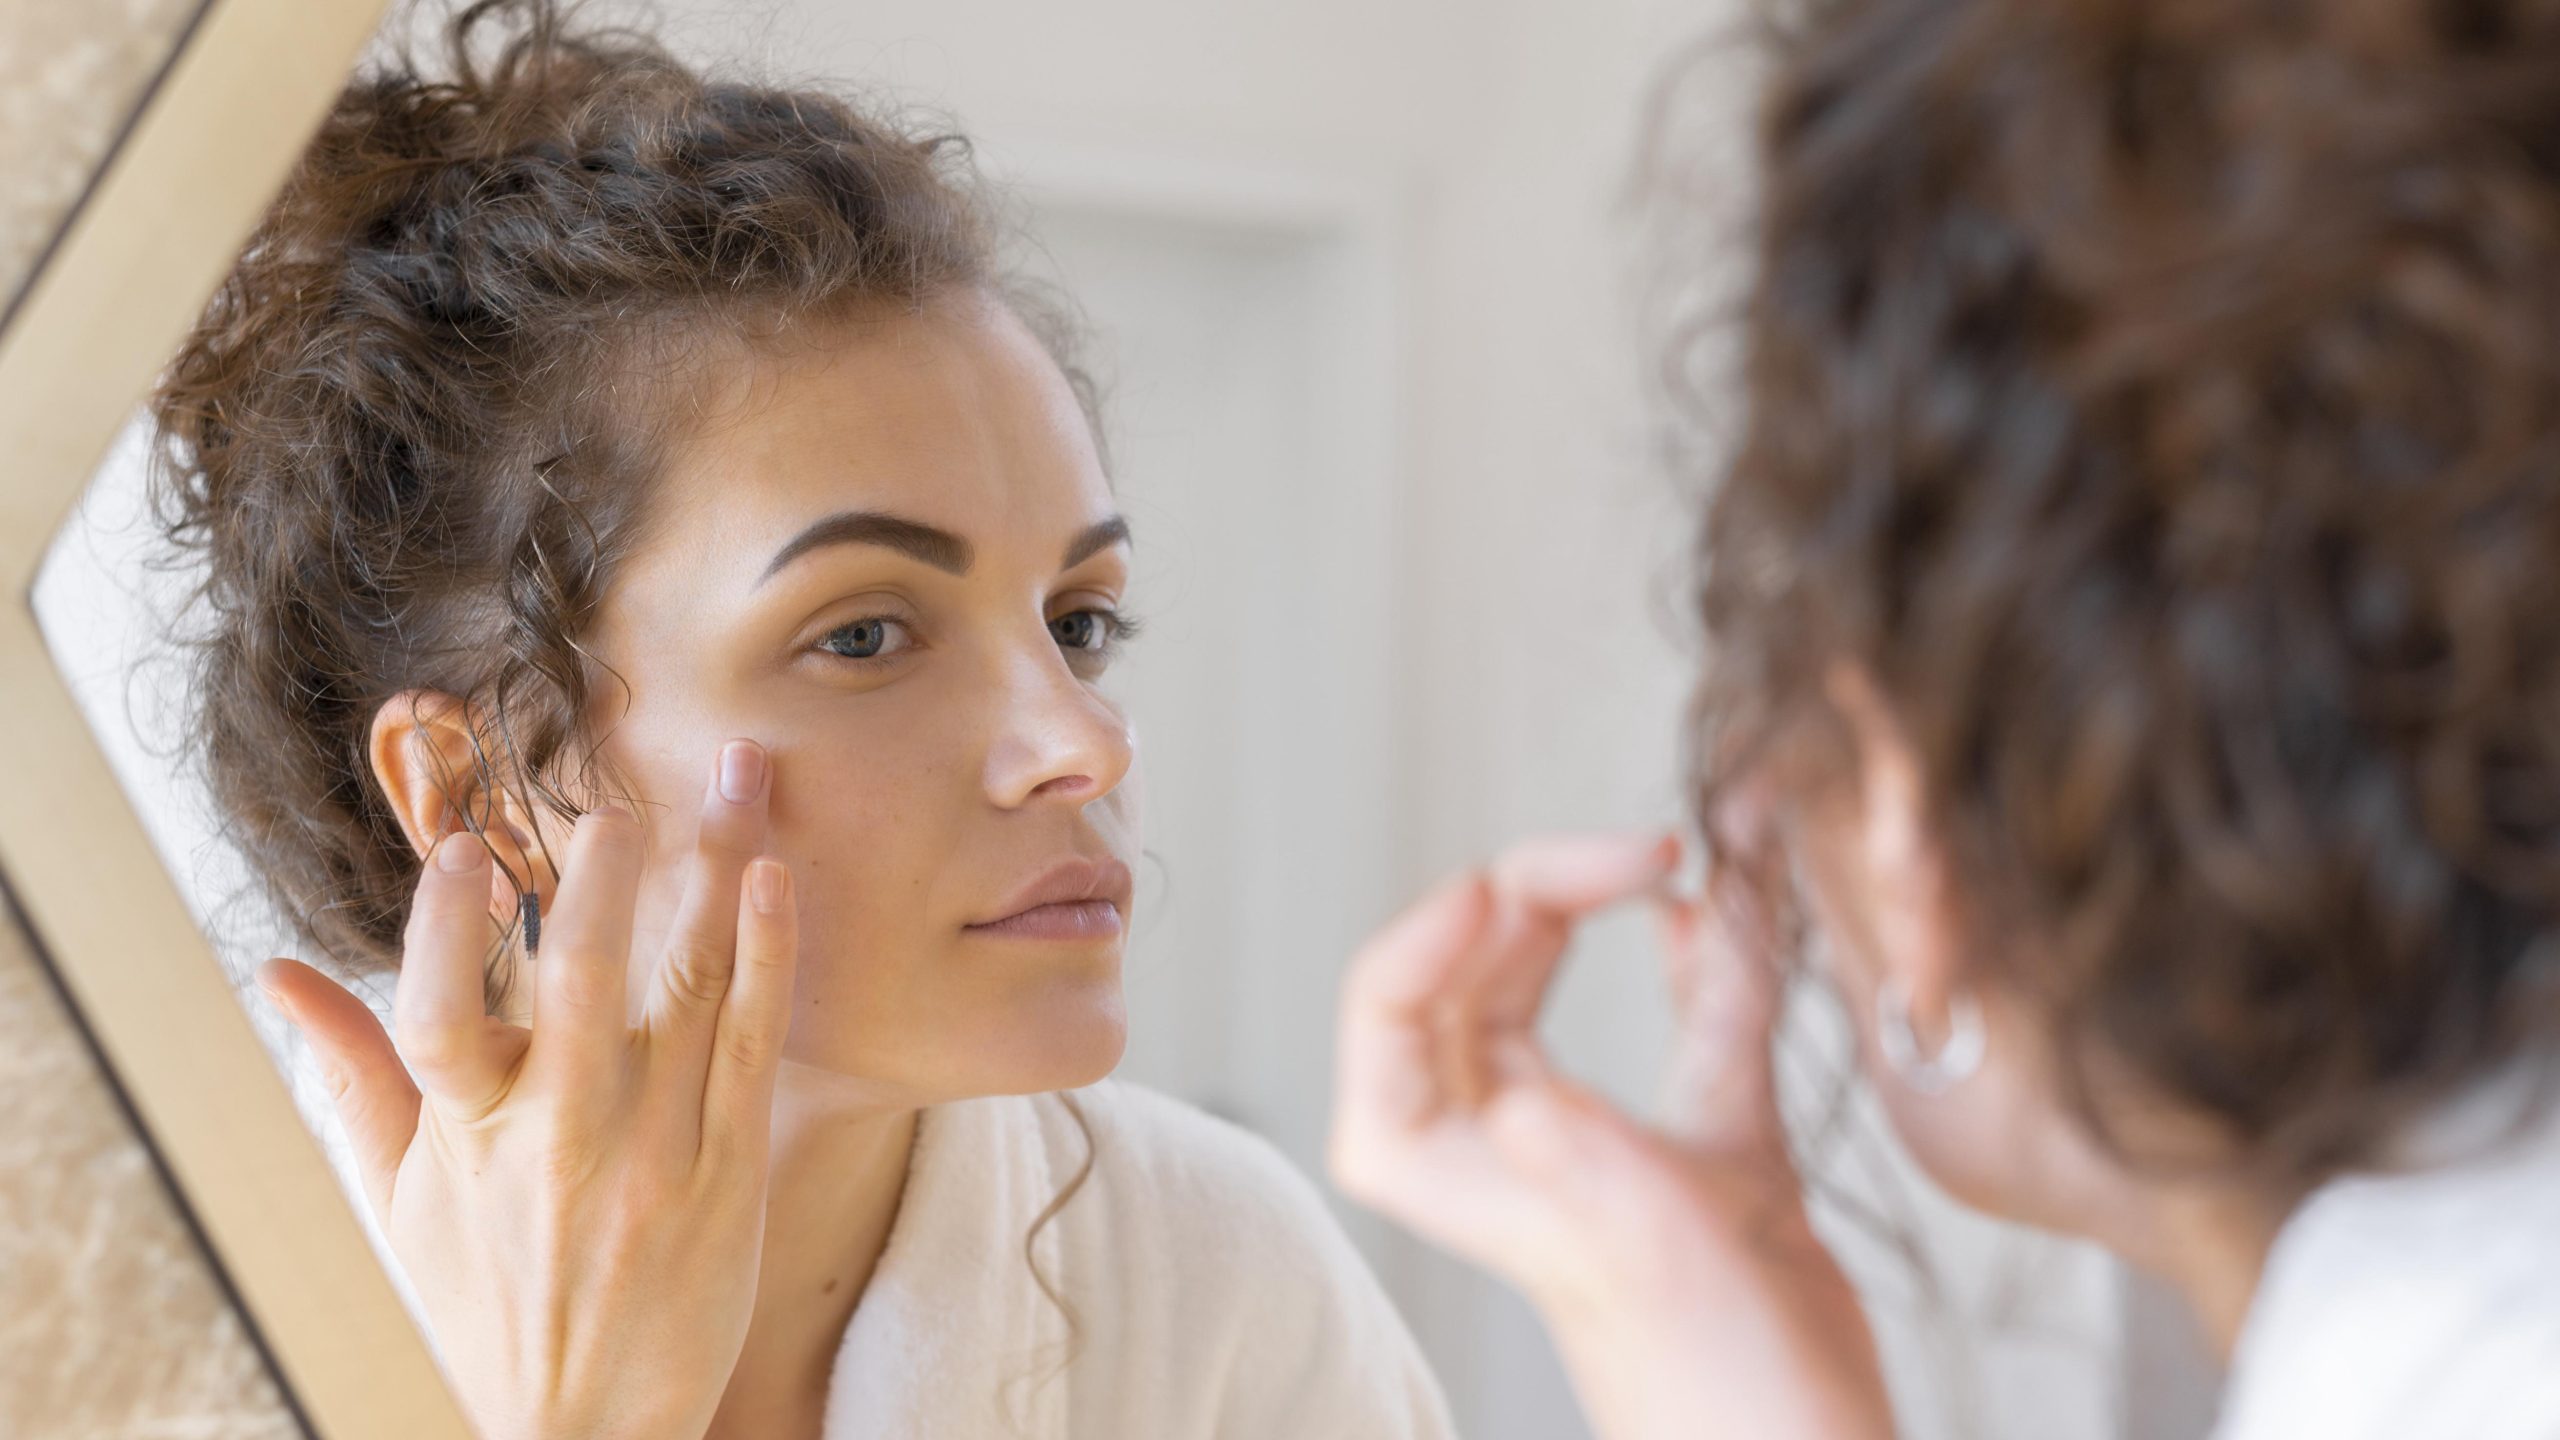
<point>165,213</point>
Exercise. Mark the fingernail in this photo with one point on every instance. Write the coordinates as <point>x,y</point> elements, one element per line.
<point>767,883</point>
<point>741,771</point>
<point>460,853</point>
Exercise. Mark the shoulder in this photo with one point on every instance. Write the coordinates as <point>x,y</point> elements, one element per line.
<point>1198,1185</point>
<point>2419,1302</point>
<point>1213,1246</point>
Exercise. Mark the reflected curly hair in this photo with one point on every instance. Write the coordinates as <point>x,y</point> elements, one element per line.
<point>2160,400</point>
<point>415,428</point>
<point>414,431</point>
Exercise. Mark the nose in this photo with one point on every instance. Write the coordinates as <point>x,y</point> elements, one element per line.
<point>1057,740</point>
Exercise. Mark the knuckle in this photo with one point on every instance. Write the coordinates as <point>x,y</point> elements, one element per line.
<point>745,1047</point>
<point>717,847</point>
<point>426,1046</point>
<point>583,980</point>
<point>698,974</point>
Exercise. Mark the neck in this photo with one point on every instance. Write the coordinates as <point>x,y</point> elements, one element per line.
<point>2207,1243</point>
<point>838,1168</point>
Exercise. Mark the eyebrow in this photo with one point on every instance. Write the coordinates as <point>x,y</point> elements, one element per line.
<point>937,547</point>
<point>1093,539</point>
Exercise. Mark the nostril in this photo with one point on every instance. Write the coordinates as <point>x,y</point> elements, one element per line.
<point>1064,784</point>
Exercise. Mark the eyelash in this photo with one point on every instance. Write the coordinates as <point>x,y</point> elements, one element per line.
<point>1119,629</point>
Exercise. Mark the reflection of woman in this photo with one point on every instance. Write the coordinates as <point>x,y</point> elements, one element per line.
<point>2134,621</point>
<point>565,422</point>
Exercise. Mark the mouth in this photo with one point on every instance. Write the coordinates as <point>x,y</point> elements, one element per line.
<point>1075,900</point>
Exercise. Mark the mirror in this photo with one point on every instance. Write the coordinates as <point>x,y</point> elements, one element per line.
<point>1353,286</point>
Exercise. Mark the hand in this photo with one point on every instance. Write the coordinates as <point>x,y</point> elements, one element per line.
<point>1677,1267</point>
<point>580,1205</point>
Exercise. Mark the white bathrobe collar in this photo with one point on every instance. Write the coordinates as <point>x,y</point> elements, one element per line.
<point>953,1335</point>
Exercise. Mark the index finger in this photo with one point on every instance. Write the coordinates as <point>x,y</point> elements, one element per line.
<point>1385,1066</point>
<point>1543,887</point>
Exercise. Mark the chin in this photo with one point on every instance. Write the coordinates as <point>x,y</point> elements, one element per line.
<point>1067,1033</point>
<point>1012,1022</point>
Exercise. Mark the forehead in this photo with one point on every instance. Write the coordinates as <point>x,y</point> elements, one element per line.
<point>953,414</point>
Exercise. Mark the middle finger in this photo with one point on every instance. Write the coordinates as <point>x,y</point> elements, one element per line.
<point>581,1006</point>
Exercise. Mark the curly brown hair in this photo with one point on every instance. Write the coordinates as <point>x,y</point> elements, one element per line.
<point>414,431</point>
<point>2161,403</point>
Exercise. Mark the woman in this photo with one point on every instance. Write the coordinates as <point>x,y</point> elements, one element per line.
<point>662,582</point>
<point>2134,634</point>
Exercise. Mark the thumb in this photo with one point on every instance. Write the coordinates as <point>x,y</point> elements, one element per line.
<point>1721,1090</point>
<point>376,1100</point>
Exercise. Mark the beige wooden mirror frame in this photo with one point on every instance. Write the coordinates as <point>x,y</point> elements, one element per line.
<point>168,208</point>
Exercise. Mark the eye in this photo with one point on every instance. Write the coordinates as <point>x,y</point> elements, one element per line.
<point>873,637</point>
<point>1083,630</point>
<point>1093,633</point>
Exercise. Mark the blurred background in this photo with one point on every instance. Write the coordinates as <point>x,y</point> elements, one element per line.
<point>1363,288</point>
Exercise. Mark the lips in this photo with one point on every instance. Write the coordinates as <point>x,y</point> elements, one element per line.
<point>1064,888</point>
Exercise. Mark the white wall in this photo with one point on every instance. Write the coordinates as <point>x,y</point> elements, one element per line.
<point>1358,275</point>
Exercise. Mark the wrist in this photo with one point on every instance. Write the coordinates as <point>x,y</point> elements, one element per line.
<point>1707,1344</point>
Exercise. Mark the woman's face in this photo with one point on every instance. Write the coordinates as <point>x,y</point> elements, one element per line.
<point>893,558</point>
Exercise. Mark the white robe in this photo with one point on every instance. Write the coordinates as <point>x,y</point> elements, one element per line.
<point>1213,1293</point>
<point>2424,1302</point>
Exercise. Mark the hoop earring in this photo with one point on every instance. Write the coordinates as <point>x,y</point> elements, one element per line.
<point>1936,1074</point>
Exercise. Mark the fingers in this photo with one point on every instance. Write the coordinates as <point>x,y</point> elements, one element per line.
<point>377,1102</point>
<point>1544,886</point>
<point>1385,1070</point>
<point>1562,1135</point>
<point>754,1019</point>
<point>1472,957</point>
<point>581,1005</point>
<point>702,947</point>
<point>1540,889</point>
<point>452,1047</point>
<point>1720,955</point>
<point>1404,967</point>
<point>1569,875</point>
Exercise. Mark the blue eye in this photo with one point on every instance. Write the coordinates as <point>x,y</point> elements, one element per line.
<point>870,638</point>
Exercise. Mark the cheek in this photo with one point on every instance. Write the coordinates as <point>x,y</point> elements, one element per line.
<point>864,829</point>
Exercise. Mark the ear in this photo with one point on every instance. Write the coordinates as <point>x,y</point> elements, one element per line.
<point>421,748</point>
<point>1902,863</point>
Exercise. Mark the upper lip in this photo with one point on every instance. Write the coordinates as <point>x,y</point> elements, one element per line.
<point>1066,883</point>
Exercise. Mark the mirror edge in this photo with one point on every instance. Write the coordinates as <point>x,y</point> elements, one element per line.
<point>211,142</point>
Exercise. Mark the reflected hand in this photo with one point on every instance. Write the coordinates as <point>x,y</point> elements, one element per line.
<point>580,1205</point>
<point>1677,1267</point>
